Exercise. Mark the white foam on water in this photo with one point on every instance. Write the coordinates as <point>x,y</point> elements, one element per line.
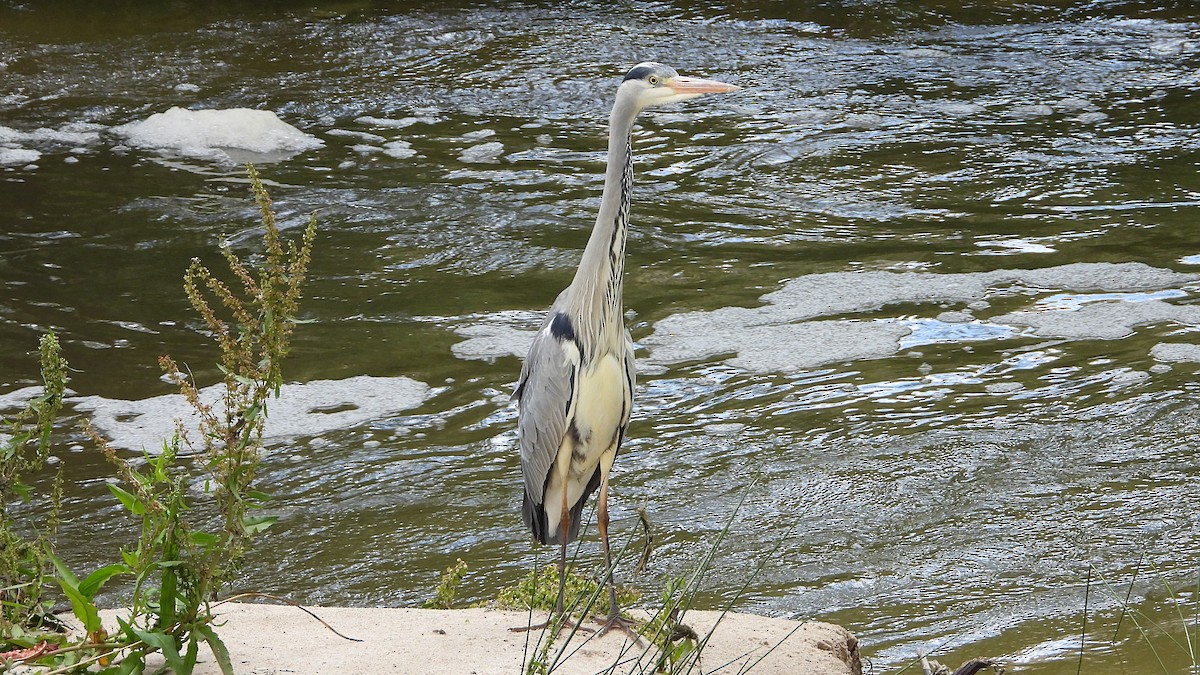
<point>782,335</point>
<point>399,149</point>
<point>1072,301</point>
<point>1014,246</point>
<point>18,398</point>
<point>211,134</point>
<point>389,123</point>
<point>73,134</point>
<point>1102,320</point>
<point>18,156</point>
<point>488,342</point>
<point>19,147</point>
<point>744,332</point>
<point>361,135</point>
<point>302,409</point>
<point>484,153</point>
<point>1176,352</point>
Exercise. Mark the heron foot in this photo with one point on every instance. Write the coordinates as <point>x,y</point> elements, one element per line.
<point>626,626</point>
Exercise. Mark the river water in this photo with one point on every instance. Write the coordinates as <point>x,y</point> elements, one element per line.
<point>923,294</point>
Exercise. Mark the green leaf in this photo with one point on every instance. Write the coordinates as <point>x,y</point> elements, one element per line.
<point>164,643</point>
<point>189,659</point>
<point>130,500</point>
<point>242,379</point>
<point>218,649</point>
<point>64,573</point>
<point>251,413</point>
<point>256,524</point>
<point>133,664</point>
<point>258,496</point>
<point>22,490</point>
<point>204,539</point>
<point>91,585</point>
<point>83,607</point>
<point>161,464</point>
<point>126,629</point>
<point>169,563</point>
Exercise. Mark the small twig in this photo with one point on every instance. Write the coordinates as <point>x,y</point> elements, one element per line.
<point>975,665</point>
<point>293,603</point>
<point>936,648</point>
<point>925,667</point>
<point>645,558</point>
<point>83,646</point>
<point>95,659</point>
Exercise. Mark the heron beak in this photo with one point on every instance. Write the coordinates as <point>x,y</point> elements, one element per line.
<point>694,86</point>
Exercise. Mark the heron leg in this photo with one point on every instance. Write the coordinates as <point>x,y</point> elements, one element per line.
<point>564,525</point>
<point>614,620</point>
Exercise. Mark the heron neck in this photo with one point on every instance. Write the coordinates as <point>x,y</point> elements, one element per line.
<point>598,282</point>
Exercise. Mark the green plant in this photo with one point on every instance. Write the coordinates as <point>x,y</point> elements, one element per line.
<point>582,595</point>
<point>676,642</point>
<point>25,557</point>
<point>190,564</point>
<point>168,607</point>
<point>540,592</point>
<point>447,588</point>
<point>186,550</point>
<point>253,340</point>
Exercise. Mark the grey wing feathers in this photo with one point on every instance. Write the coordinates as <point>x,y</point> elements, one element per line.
<point>544,395</point>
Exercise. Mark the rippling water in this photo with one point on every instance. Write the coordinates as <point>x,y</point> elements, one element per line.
<point>985,404</point>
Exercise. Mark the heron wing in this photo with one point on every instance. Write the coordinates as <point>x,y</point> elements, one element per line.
<point>631,378</point>
<point>546,396</point>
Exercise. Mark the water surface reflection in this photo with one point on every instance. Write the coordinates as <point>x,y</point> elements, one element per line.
<point>947,466</point>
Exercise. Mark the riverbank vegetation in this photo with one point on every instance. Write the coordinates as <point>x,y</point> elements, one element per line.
<point>188,547</point>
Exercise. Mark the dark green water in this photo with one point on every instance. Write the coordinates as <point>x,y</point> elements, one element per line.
<point>951,453</point>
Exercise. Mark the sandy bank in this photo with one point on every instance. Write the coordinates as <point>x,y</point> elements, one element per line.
<point>270,640</point>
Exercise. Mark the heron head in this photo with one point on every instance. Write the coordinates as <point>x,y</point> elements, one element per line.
<point>653,84</point>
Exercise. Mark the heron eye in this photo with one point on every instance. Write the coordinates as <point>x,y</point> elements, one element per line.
<point>653,80</point>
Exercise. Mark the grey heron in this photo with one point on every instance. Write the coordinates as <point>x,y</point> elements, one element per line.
<point>575,393</point>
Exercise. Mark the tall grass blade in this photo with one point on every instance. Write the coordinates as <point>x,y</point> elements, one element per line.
<point>1137,570</point>
<point>1145,635</point>
<point>1087,592</point>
